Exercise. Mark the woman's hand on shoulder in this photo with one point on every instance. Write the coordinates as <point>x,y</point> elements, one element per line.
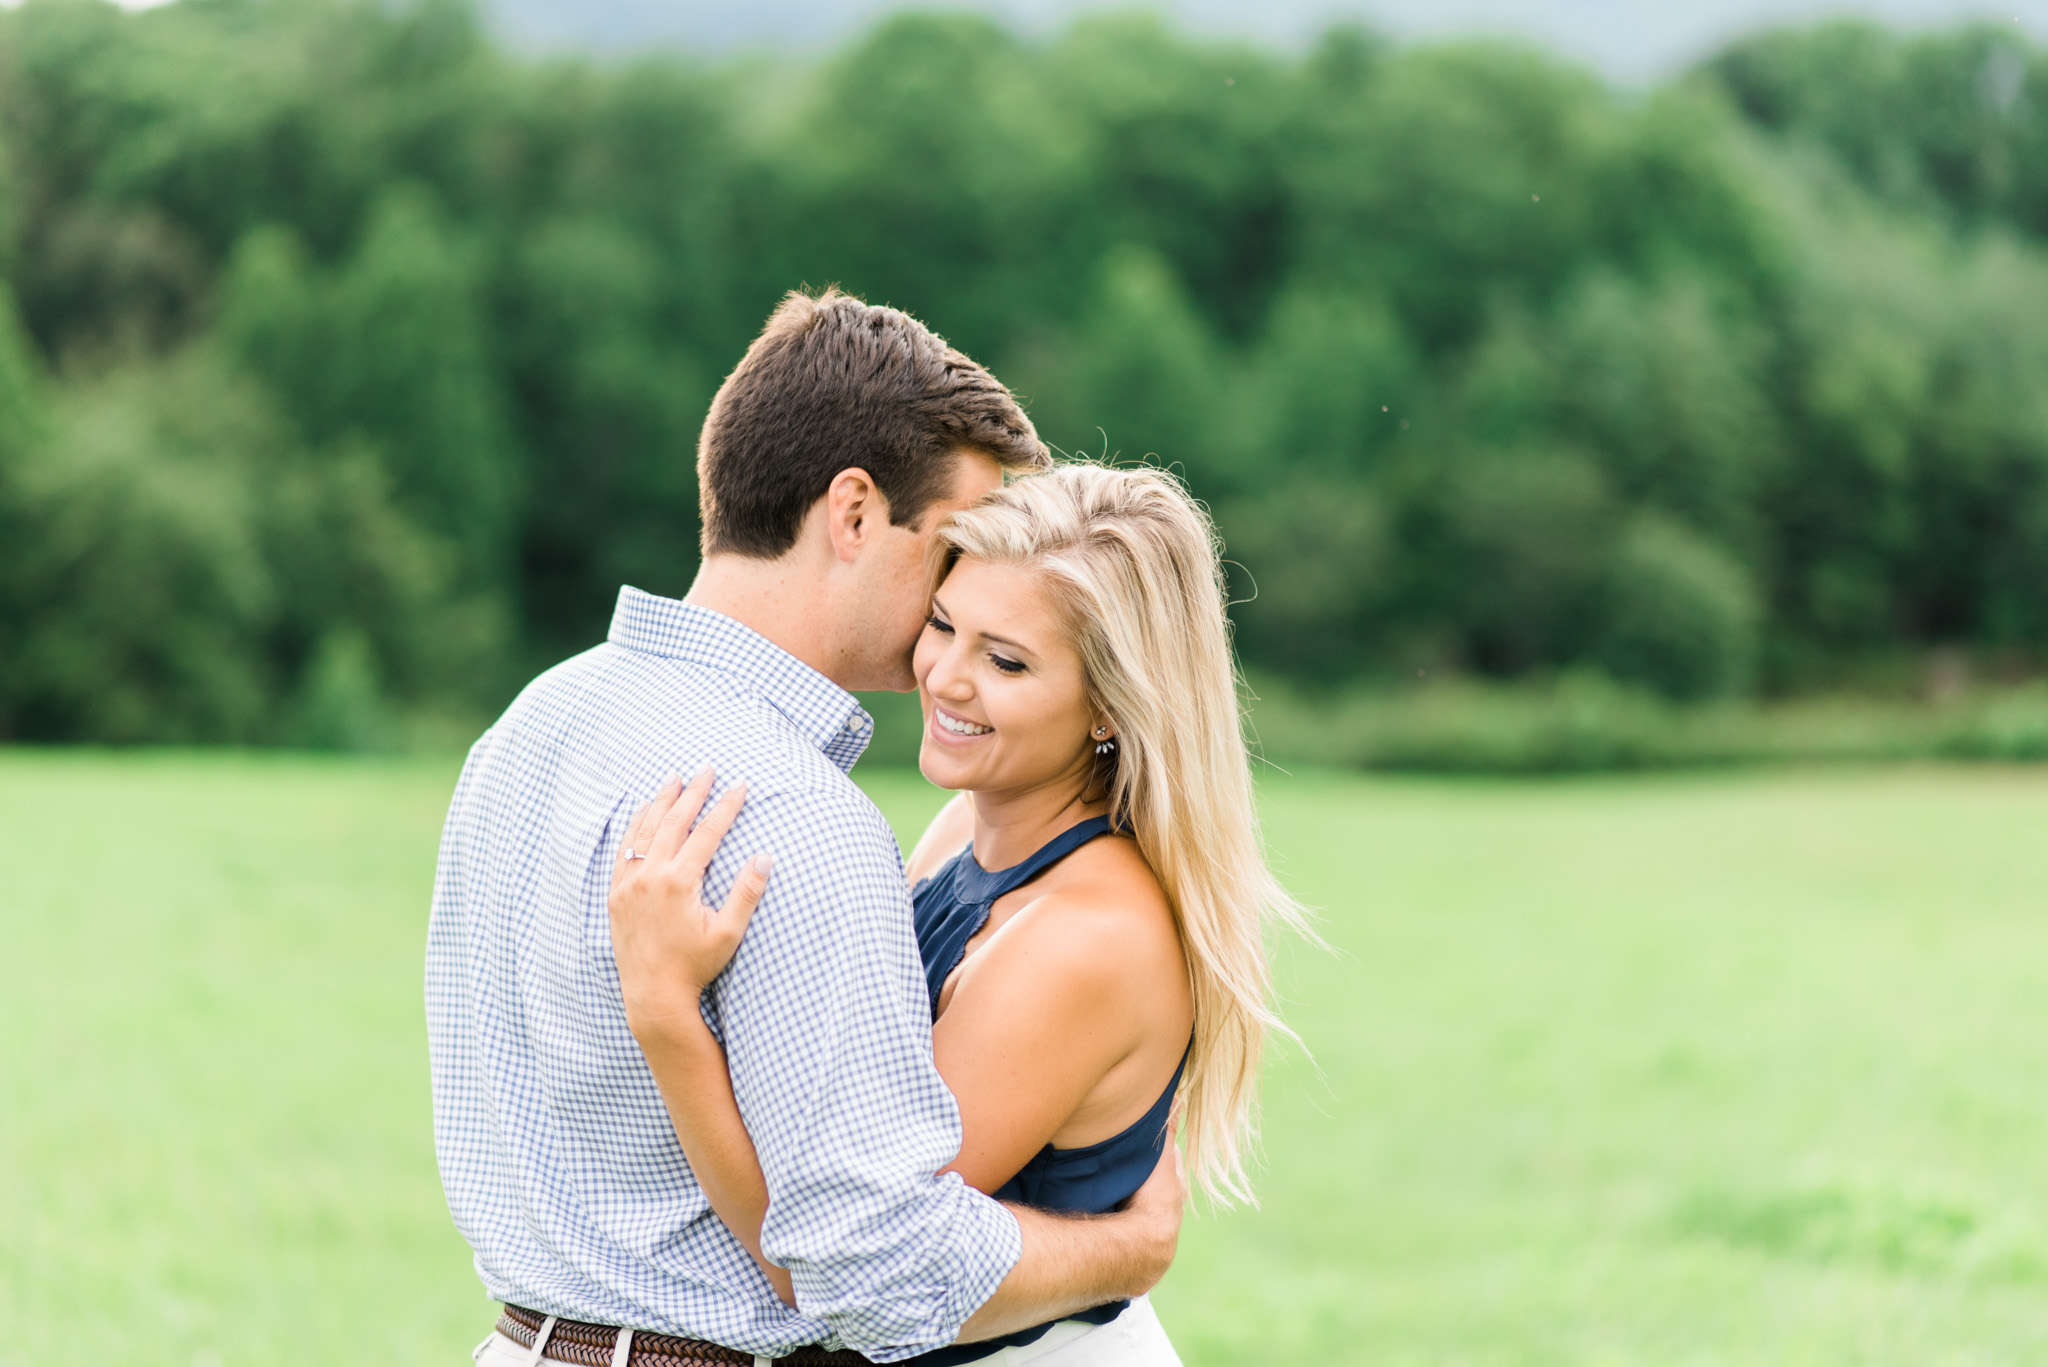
<point>668,943</point>
<point>950,832</point>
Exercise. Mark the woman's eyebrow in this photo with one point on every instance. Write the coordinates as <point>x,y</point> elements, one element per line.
<point>940,609</point>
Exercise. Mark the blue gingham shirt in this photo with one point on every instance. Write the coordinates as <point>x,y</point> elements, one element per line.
<point>558,1159</point>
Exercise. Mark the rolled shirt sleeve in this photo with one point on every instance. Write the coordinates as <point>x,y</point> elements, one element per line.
<point>827,1028</point>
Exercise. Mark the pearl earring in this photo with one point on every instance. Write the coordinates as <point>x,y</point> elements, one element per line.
<point>1107,744</point>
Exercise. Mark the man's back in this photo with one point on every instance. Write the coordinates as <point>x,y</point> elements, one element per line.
<point>556,1151</point>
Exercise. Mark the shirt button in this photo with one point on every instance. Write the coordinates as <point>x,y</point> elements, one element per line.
<point>853,725</point>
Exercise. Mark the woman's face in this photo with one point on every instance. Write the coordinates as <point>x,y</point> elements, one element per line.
<point>1004,694</point>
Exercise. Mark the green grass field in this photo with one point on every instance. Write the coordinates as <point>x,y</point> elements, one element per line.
<point>1742,1069</point>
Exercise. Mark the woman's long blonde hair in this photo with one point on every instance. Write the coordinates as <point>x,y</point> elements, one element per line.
<point>1132,562</point>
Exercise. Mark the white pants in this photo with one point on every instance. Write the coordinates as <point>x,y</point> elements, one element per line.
<point>1133,1339</point>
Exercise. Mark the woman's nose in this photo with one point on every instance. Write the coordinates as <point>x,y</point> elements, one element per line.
<point>947,679</point>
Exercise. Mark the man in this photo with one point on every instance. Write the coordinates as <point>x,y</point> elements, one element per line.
<point>828,457</point>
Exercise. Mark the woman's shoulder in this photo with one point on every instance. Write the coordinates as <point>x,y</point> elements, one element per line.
<point>1104,899</point>
<point>1095,942</point>
<point>1112,865</point>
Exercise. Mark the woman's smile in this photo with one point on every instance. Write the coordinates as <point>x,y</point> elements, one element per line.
<point>955,729</point>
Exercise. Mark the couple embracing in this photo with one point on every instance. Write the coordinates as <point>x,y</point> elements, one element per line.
<point>717,1079</point>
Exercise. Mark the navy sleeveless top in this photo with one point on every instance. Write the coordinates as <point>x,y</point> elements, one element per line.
<point>951,907</point>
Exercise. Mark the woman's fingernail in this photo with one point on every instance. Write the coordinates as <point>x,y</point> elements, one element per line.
<point>763,863</point>
<point>705,772</point>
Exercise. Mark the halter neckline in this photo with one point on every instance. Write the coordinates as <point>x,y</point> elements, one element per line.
<point>977,884</point>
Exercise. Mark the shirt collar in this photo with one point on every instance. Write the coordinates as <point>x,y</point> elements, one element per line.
<point>829,716</point>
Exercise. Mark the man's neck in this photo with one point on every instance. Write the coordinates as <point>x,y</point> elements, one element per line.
<point>781,599</point>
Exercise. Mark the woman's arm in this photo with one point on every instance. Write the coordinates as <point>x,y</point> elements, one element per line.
<point>1066,992</point>
<point>690,1069</point>
<point>669,947</point>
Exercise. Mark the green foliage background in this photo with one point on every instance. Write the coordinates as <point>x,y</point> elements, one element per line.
<point>349,363</point>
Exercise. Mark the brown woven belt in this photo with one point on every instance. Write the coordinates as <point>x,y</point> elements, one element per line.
<point>591,1345</point>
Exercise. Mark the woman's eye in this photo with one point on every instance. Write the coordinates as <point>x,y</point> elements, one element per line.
<point>1007,666</point>
<point>937,624</point>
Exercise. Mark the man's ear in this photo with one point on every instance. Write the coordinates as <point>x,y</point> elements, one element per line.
<point>854,511</point>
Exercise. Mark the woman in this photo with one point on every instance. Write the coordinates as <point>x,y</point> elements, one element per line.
<point>1090,909</point>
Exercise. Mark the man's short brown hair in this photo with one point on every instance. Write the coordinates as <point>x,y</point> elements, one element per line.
<point>832,383</point>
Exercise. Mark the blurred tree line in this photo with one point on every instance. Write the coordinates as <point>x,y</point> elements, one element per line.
<point>350,363</point>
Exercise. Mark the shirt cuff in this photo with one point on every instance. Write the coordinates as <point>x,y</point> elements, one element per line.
<point>987,1241</point>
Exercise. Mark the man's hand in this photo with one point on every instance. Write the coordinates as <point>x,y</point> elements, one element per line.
<point>1157,1207</point>
<point>1072,1263</point>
